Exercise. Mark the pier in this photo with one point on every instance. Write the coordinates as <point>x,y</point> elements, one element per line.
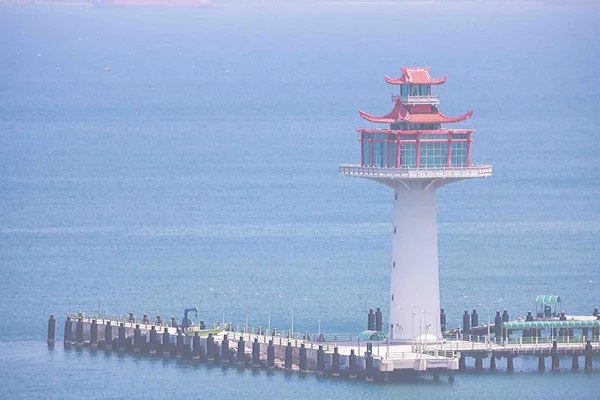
<point>343,356</point>
<point>364,356</point>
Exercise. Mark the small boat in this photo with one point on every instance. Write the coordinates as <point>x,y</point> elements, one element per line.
<point>204,332</point>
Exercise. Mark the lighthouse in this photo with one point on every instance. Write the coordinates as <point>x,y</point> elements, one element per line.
<point>415,156</point>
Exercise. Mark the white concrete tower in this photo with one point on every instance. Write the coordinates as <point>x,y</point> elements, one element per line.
<point>415,157</point>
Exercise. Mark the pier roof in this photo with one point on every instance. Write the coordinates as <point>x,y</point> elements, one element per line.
<point>547,299</point>
<point>372,335</point>
<point>415,76</point>
<point>414,131</point>
<point>551,324</point>
<point>421,114</point>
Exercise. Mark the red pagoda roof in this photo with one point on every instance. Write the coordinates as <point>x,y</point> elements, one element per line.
<point>417,114</point>
<point>412,132</point>
<point>415,76</point>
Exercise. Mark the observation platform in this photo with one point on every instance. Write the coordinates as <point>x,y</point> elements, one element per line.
<point>474,171</point>
<point>414,100</point>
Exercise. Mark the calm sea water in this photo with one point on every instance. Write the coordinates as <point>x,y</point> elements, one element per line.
<point>207,158</point>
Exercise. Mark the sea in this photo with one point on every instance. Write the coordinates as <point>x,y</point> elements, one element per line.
<point>157,159</point>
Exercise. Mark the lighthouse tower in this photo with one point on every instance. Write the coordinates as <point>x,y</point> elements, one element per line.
<point>415,157</point>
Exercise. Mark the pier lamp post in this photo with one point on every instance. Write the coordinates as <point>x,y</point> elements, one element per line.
<point>269,315</point>
<point>488,322</point>
<point>414,314</point>
<point>436,328</point>
<point>319,302</point>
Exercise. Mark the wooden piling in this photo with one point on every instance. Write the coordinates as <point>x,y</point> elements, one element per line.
<point>335,363</point>
<point>51,330</point>
<point>68,331</point>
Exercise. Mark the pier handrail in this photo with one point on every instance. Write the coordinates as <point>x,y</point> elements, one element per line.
<point>413,172</point>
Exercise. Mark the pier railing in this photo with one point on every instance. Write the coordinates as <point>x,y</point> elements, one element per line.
<point>474,170</point>
<point>448,347</point>
<point>418,99</point>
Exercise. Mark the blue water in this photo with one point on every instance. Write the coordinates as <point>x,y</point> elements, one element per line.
<point>207,158</point>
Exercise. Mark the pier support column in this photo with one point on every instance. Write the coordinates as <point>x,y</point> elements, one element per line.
<point>462,363</point>
<point>196,346</point>
<point>122,338</point>
<point>320,360</point>
<point>180,344</point>
<point>108,335</point>
<point>255,353</point>
<point>225,349</point>
<point>152,340</point>
<point>492,362</point>
<point>352,365</point>
<point>510,363</point>
<point>335,363</point>
<point>241,350</point>
<point>303,358</point>
<point>201,353</point>
<point>79,332</point>
<point>555,362</point>
<point>541,363</point>
<point>68,331</point>
<point>479,363</point>
<point>587,355</point>
<point>166,343</point>
<point>137,339</point>
<point>289,353</point>
<point>217,359</point>
<point>271,354</point>
<point>51,330</point>
<point>575,362</point>
<point>370,367</point>
<point>210,347</point>
<point>186,351</point>
<point>94,333</point>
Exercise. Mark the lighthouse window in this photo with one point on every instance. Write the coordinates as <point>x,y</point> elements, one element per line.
<point>408,155</point>
<point>394,264</point>
<point>392,150</point>
<point>415,90</point>
<point>404,90</point>
<point>434,155</point>
<point>366,152</point>
<point>379,148</point>
<point>459,154</point>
